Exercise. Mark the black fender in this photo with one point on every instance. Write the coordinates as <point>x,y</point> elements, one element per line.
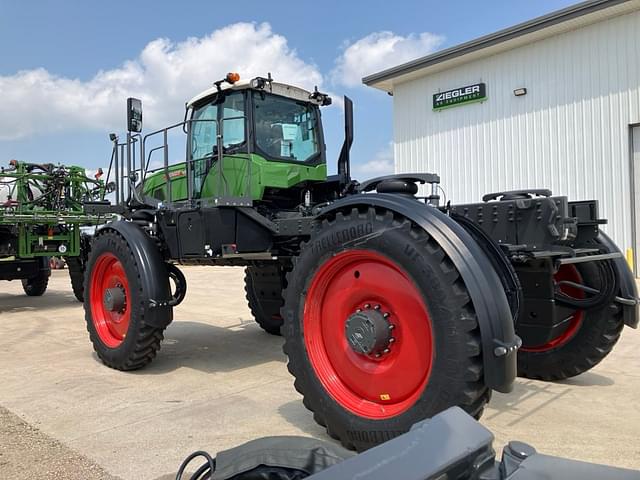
<point>152,269</point>
<point>628,287</point>
<point>499,341</point>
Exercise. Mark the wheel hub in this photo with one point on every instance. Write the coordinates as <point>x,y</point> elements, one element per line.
<point>369,332</point>
<point>114,299</point>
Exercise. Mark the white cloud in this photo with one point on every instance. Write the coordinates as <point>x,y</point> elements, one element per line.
<point>378,51</point>
<point>381,164</point>
<point>164,76</point>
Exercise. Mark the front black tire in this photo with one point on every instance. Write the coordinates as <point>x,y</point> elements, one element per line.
<point>455,365</point>
<point>37,285</point>
<point>119,346</point>
<point>263,284</point>
<point>592,340</point>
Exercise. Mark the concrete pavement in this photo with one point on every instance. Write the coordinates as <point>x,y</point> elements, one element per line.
<point>219,380</point>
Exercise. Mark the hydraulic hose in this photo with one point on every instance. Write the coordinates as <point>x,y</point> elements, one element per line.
<point>605,296</point>
<point>204,471</point>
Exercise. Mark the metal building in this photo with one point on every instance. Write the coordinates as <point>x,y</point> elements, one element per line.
<point>553,102</point>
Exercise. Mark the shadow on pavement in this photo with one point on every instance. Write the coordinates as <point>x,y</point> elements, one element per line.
<point>524,390</point>
<point>545,394</point>
<point>209,348</point>
<point>50,300</point>
<point>588,379</point>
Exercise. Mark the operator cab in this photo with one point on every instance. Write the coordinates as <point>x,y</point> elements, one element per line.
<point>251,124</point>
<point>248,143</point>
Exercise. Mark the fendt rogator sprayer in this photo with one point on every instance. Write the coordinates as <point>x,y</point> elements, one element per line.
<point>392,306</point>
<point>41,216</point>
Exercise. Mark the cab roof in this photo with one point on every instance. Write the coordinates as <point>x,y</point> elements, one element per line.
<point>276,88</point>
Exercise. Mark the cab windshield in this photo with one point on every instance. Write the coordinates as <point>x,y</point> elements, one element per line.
<point>285,129</point>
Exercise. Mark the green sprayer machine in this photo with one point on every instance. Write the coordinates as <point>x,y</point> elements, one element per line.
<point>42,216</point>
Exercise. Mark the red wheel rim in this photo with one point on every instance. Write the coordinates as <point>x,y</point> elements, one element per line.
<point>569,273</point>
<point>369,386</point>
<point>111,326</point>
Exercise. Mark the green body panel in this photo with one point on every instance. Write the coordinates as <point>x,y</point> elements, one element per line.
<point>236,170</point>
<point>155,184</point>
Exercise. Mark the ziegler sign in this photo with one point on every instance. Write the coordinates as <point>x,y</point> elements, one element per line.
<point>458,96</point>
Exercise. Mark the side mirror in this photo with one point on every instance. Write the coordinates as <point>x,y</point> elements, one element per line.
<point>134,115</point>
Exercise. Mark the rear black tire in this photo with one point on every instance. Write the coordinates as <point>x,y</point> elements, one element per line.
<point>139,346</point>
<point>78,265</point>
<point>263,285</point>
<point>37,285</point>
<point>593,341</point>
<point>76,273</point>
<point>456,367</point>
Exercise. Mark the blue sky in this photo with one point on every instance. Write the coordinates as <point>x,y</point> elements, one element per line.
<point>56,106</point>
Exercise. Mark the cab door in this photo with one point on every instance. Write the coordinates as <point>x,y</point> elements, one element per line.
<point>220,125</point>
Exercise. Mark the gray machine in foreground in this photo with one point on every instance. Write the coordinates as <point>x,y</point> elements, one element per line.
<point>451,445</point>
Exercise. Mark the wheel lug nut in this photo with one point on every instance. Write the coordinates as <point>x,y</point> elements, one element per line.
<point>378,355</point>
<point>358,310</point>
<point>366,305</point>
<point>391,340</point>
<point>391,326</point>
<point>377,307</point>
<point>386,350</point>
<point>386,315</point>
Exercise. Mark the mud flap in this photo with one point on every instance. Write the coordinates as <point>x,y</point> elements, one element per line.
<point>499,341</point>
<point>152,267</point>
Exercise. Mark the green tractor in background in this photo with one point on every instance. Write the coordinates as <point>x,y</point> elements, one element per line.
<point>392,306</point>
<point>41,217</point>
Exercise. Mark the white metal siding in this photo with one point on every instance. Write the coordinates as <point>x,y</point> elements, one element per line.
<point>570,133</point>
